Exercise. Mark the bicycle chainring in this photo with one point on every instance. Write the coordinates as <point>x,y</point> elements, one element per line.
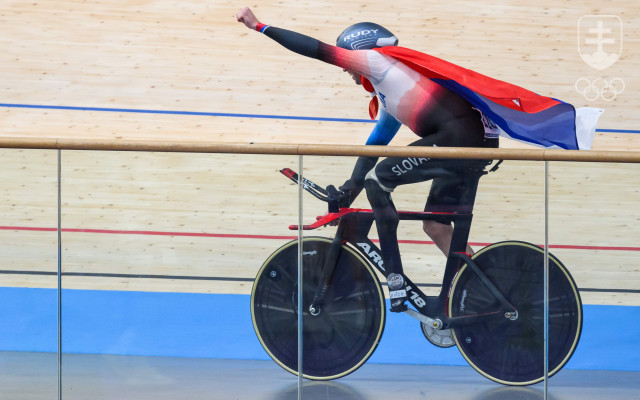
<point>438,337</point>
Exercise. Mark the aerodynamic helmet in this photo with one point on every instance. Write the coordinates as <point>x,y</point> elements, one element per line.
<point>365,36</point>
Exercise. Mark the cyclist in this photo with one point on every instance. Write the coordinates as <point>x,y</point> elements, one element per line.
<point>439,116</point>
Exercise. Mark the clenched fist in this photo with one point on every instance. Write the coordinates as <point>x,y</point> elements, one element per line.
<point>247,17</point>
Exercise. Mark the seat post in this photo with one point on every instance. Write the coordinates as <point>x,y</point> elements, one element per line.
<point>471,189</point>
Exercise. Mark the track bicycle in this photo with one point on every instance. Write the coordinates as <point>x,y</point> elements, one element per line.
<point>491,304</point>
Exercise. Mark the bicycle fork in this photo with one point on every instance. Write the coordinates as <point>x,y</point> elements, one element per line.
<point>327,271</point>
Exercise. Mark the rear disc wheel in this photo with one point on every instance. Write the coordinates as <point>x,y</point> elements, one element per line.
<point>511,350</point>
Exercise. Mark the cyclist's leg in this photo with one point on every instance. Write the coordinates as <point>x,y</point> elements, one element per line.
<point>386,217</point>
<point>441,233</point>
<point>447,194</point>
<point>379,184</point>
<point>453,194</point>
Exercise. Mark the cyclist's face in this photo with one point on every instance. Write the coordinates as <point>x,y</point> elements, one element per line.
<point>354,76</point>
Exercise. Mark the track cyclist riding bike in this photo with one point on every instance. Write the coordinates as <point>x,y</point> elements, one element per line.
<point>424,94</point>
<point>439,116</point>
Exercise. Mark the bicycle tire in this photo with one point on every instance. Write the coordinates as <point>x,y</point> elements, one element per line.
<point>507,351</point>
<point>350,324</point>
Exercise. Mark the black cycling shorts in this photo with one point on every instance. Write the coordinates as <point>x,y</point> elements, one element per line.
<point>451,181</point>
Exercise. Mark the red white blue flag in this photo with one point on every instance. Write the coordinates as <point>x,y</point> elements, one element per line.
<point>518,113</point>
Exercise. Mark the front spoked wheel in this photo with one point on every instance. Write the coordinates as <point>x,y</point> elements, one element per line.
<point>349,325</point>
<point>511,350</point>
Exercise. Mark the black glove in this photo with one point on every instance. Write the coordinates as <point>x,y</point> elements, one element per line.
<point>334,198</point>
<point>350,191</point>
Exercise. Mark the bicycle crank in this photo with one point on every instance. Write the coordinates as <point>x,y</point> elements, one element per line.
<point>435,323</point>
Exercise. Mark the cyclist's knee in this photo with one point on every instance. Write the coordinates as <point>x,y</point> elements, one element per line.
<point>380,199</point>
<point>373,184</point>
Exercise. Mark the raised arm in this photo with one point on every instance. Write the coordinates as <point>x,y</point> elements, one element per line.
<point>357,61</point>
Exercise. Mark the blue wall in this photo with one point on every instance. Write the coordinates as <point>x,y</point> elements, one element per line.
<point>219,326</point>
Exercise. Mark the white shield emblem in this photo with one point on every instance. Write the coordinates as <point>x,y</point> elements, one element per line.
<point>600,40</point>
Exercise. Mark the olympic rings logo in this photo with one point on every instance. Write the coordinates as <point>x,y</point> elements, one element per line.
<point>600,88</point>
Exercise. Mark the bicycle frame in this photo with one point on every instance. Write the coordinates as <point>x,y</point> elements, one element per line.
<point>354,227</point>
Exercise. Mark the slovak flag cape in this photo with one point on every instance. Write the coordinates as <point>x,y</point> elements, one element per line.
<point>518,113</point>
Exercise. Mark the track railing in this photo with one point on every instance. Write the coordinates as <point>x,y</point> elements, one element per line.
<point>322,150</point>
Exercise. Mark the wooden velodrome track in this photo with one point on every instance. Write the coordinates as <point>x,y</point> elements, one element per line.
<point>205,222</point>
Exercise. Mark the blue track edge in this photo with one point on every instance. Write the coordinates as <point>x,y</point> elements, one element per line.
<point>219,326</point>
